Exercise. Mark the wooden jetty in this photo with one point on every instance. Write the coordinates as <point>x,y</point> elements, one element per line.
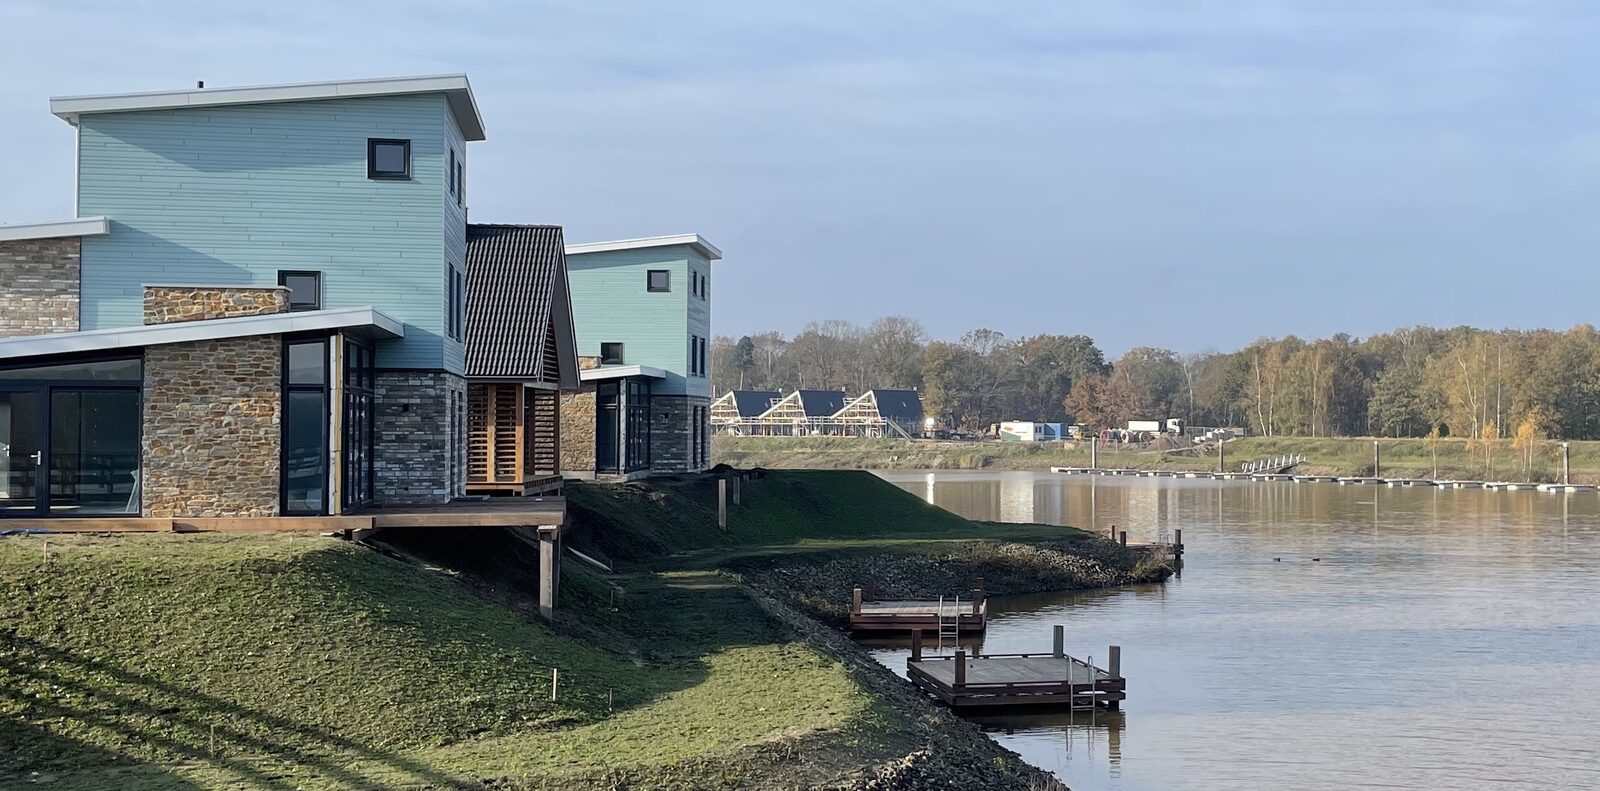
<point>1316,479</point>
<point>986,680</point>
<point>1393,482</point>
<point>950,616</point>
<point>1359,481</point>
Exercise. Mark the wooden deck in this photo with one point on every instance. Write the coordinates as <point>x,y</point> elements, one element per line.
<point>542,512</point>
<point>912,615</point>
<point>1053,679</point>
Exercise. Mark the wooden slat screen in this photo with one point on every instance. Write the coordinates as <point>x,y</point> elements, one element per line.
<point>494,433</point>
<point>507,433</point>
<point>544,432</point>
<point>550,362</point>
<point>480,453</point>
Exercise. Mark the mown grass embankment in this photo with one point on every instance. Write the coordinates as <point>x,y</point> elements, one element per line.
<point>279,662</point>
<point>1457,458</point>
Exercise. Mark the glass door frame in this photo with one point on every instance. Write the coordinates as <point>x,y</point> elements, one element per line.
<point>41,433</point>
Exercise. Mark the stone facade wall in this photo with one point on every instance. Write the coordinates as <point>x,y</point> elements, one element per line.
<point>421,443</point>
<point>39,281</point>
<point>169,304</point>
<point>672,427</point>
<point>577,430</point>
<point>212,428</point>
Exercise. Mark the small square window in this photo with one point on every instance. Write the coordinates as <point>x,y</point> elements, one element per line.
<point>388,159</point>
<point>660,280</point>
<point>611,354</point>
<point>305,289</point>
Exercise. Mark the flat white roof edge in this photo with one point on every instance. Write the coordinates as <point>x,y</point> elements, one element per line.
<point>68,108</point>
<point>695,240</point>
<point>619,372</point>
<point>204,330</point>
<point>55,229</point>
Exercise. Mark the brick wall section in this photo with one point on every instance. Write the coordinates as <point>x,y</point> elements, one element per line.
<point>671,432</point>
<point>39,281</point>
<point>420,453</point>
<point>212,428</point>
<point>577,430</point>
<point>169,304</point>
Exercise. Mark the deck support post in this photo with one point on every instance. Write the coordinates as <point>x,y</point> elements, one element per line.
<point>916,645</point>
<point>855,601</point>
<point>722,503</point>
<point>737,485</point>
<point>961,668</point>
<point>549,571</point>
<point>1059,647</point>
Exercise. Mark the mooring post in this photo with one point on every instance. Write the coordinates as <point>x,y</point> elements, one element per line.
<point>855,600</point>
<point>977,599</point>
<point>916,645</point>
<point>961,668</point>
<point>871,591</point>
<point>1123,537</point>
<point>722,502</point>
<point>1566,464</point>
<point>1177,541</point>
<point>1377,460</point>
<point>1094,453</point>
<point>1222,455</point>
<point>1114,661</point>
<point>1059,647</point>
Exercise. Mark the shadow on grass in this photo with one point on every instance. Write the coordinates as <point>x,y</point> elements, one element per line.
<point>136,708</point>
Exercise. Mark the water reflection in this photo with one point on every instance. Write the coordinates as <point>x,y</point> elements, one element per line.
<point>1323,636</point>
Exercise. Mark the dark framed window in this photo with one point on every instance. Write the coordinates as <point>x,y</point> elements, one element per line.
<point>659,280</point>
<point>359,465</point>
<point>305,289</point>
<point>388,159</point>
<point>304,465</point>
<point>453,172</point>
<point>461,183</point>
<point>611,354</point>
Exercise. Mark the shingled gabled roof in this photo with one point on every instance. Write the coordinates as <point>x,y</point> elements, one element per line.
<point>519,311</point>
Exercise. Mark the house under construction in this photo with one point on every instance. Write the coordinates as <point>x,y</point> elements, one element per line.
<point>801,413</point>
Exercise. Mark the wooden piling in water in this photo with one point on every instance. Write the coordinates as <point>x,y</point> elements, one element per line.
<point>1059,650</point>
<point>1114,661</point>
<point>916,645</point>
<point>1123,537</point>
<point>870,593</point>
<point>961,668</point>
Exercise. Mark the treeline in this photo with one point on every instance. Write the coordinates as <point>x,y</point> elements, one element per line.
<point>1413,382</point>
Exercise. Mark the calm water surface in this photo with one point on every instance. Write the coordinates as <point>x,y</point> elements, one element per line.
<point>1444,639</point>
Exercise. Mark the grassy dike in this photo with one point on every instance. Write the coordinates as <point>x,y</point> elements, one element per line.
<point>1324,456</point>
<point>289,662</point>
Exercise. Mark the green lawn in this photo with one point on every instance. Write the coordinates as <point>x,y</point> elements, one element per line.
<point>206,661</point>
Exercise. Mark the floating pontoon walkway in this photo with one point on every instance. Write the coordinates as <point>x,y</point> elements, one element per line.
<point>1053,679</point>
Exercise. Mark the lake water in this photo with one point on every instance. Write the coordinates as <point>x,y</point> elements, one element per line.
<point>1319,637</point>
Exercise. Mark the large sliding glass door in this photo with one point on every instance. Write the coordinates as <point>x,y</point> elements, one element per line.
<point>21,452</point>
<point>69,438</point>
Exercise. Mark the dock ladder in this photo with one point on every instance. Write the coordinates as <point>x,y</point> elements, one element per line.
<point>949,626</point>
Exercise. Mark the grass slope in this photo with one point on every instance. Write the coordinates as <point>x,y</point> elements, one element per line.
<point>673,522</point>
<point>156,661</point>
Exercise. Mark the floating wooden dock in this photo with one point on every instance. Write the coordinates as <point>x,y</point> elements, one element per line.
<point>946,616</point>
<point>987,680</point>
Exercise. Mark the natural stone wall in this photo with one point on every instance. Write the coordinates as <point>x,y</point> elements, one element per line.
<point>672,426</point>
<point>39,281</point>
<point>212,428</point>
<point>421,443</point>
<point>577,430</point>
<point>168,304</point>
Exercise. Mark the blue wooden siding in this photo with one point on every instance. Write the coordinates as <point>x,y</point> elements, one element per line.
<point>455,235</point>
<point>612,303</point>
<point>232,195</point>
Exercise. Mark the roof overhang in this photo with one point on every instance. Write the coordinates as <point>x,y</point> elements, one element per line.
<point>692,240</point>
<point>605,372</point>
<point>364,321</point>
<point>55,229</point>
<point>454,87</point>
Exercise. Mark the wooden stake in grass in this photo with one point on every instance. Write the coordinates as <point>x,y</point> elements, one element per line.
<point>47,552</point>
<point>555,678</point>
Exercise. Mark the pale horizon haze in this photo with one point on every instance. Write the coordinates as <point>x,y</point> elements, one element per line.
<point>1187,174</point>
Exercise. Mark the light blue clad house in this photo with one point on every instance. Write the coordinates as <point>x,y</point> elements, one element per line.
<point>642,315</point>
<point>259,310</point>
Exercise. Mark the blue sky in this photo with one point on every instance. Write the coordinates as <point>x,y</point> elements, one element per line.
<point>1187,173</point>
